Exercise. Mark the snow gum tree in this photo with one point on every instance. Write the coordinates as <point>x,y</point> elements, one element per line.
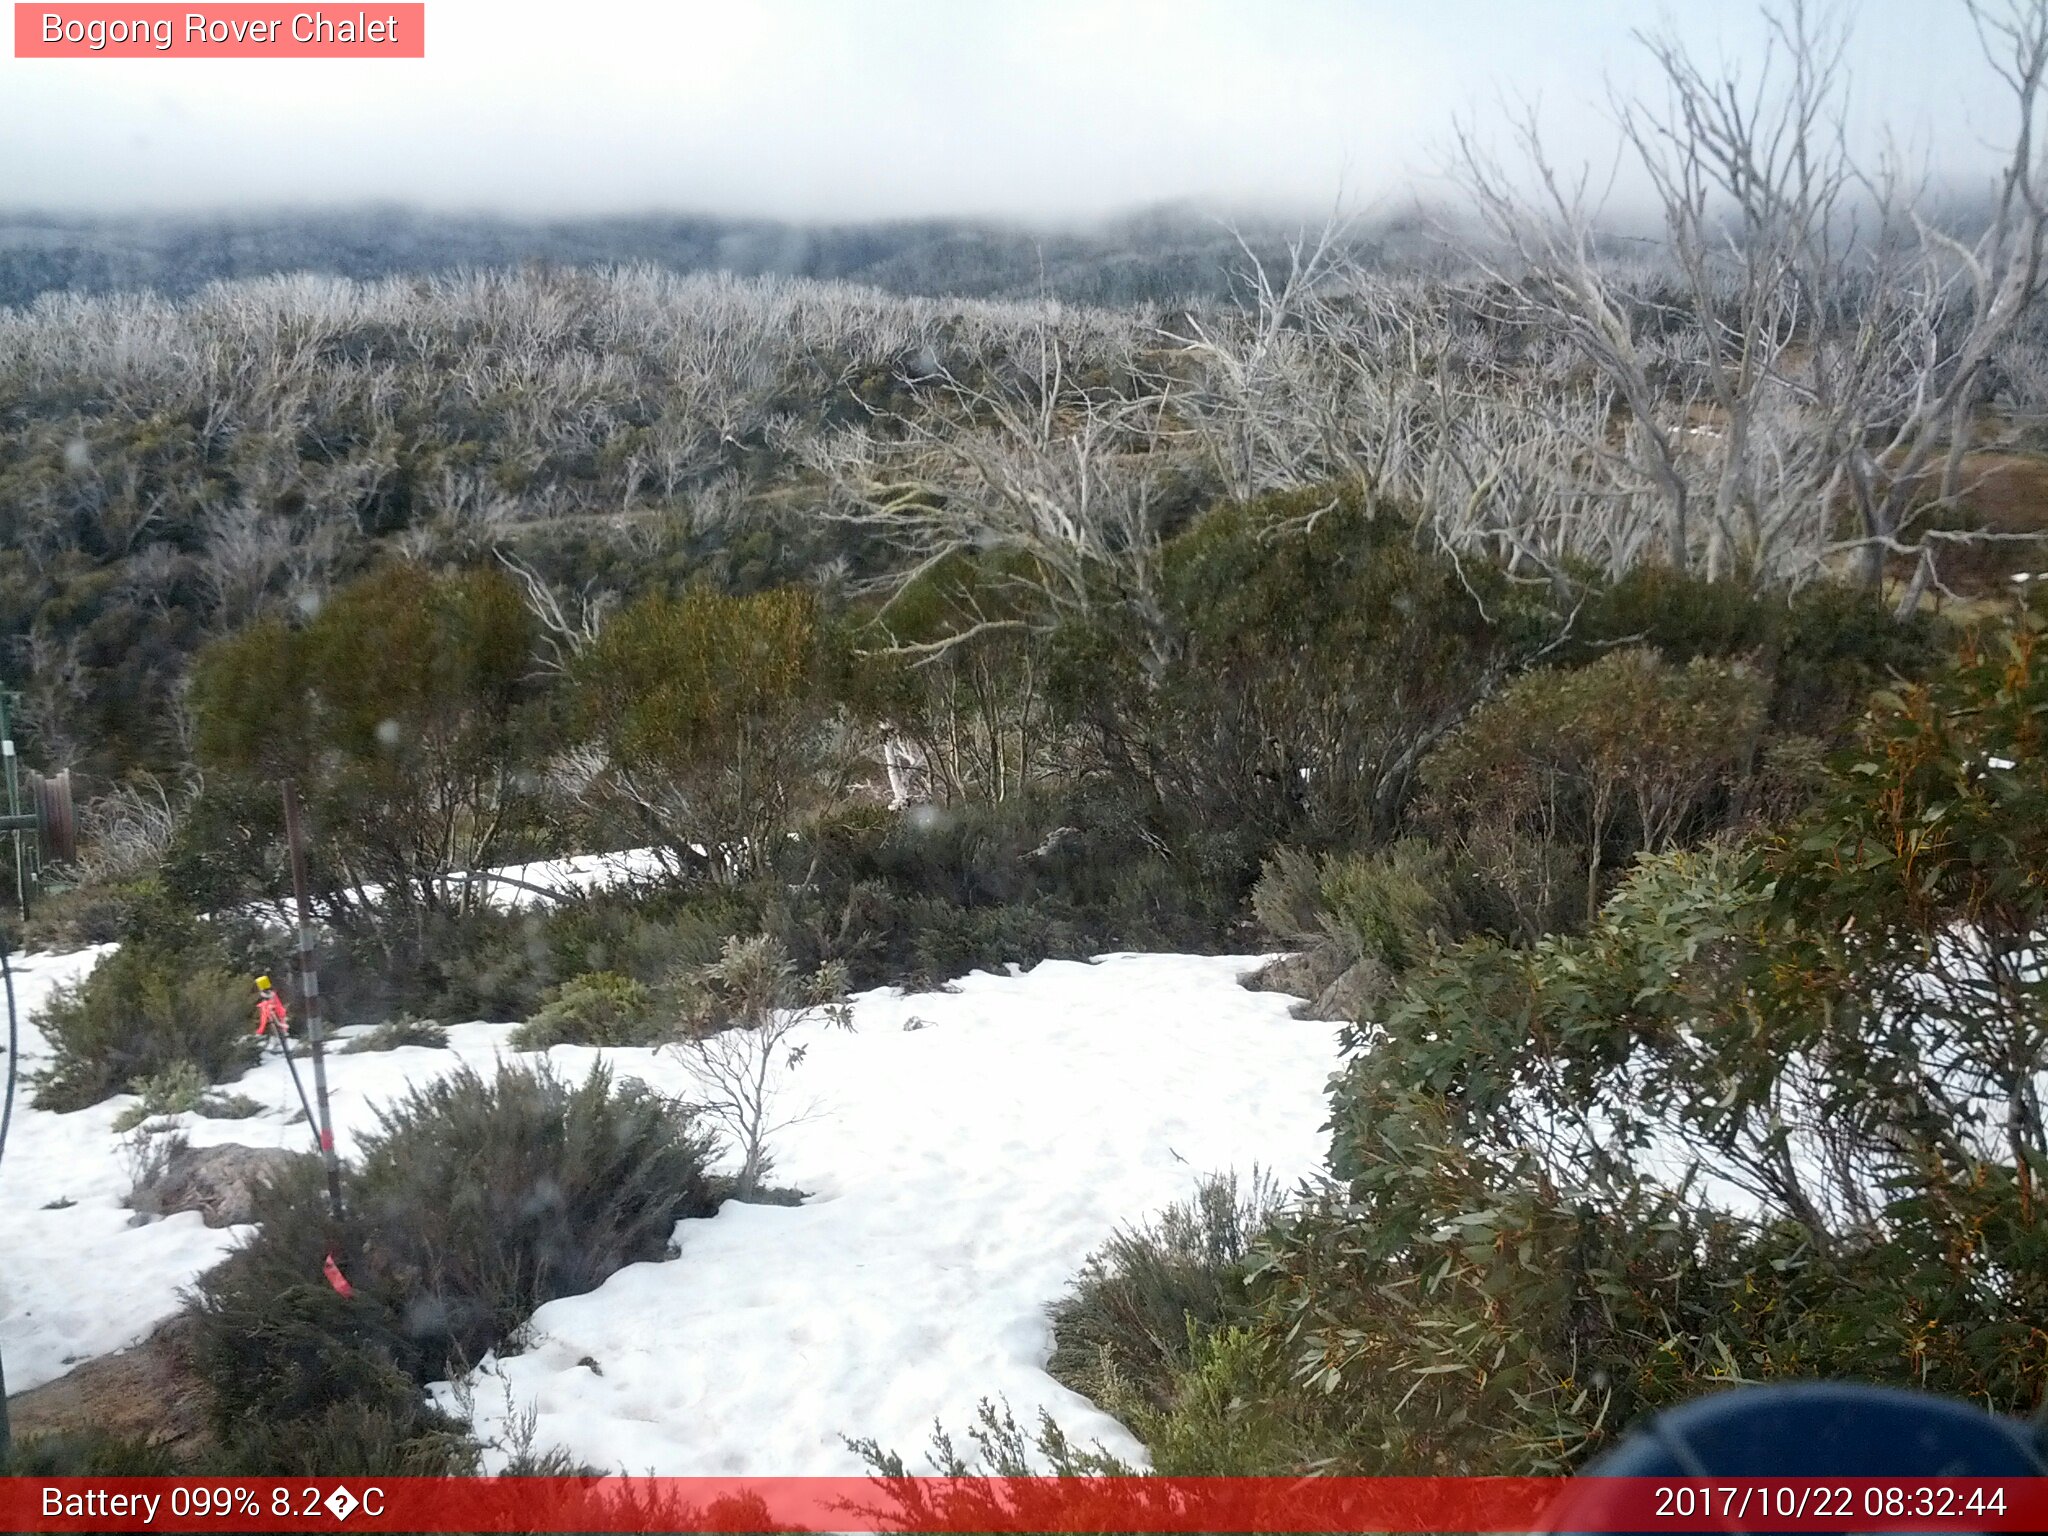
<point>400,708</point>
<point>714,719</point>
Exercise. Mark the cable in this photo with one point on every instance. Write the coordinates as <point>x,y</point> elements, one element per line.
<point>7,1119</point>
<point>13,1045</point>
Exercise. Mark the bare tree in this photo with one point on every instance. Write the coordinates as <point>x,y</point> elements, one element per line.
<point>1810,341</point>
<point>566,625</point>
<point>1054,476</point>
<point>739,1014</point>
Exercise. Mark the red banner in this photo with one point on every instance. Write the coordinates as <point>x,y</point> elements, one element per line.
<point>932,1504</point>
<point>221,31</point>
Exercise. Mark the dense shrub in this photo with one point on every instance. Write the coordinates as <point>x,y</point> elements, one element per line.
<point>164,1000</point>
<point>474,1202</point>
<point>714,715</point>
<point>354,1437</point>
<point>1323,648</point>
<point>496,1196</point>
<point>276,1345</point>
<point>1568,772</point>
<point>484,963</point>
<point>1126,1328</point>
<point>601,1008</point>
<point>1359,920</point>
<point>86,1453</point>
<point>493,963</point>
<point>76,916</point>
<point>1758,1122</point>
<point>1823,649</point>
<point>651,933</point>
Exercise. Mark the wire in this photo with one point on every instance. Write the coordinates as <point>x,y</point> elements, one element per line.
<point>7,1119</point>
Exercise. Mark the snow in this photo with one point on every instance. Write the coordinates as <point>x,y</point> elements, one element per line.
<point>959,1173</point>
<point>78,1281</point>
<point>539,880</point>
<point>962,1152</point>
<point>515,886</point>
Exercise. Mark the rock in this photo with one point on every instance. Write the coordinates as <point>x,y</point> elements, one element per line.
<point>1355,993</point>
<point>1297,973</point>
<point>220,1183</point>
<point>149,1394</point>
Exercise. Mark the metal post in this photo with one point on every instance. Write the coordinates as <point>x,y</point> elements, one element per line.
<point>14,811</point>
<point>309,989</point>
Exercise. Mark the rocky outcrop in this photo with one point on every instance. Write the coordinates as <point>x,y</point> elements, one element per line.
<point>220,1183</point>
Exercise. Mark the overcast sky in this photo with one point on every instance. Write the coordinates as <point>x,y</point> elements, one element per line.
<point>859,108</point>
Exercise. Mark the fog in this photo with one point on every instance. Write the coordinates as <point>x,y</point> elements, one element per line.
<point>854,109</point>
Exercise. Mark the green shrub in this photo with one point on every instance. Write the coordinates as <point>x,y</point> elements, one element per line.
<point>1127,1327</point>
<point>276,1345</point>
<point>1321,643</point>
<point>86,1453</point>
<point>228,1106</point>
<point>395,1034</point>
<point>80,915</point>
<point>147,1009</point>
<point>181,1090</point>
<point>491,963</point>
<point>1564,775</point>
<point>997,1447</point>
<point>353,1438</point>
<point>648,934</point>
<point>1510,1275</point>
<point>485,963</point>
<point>939,891</point>
<point>176,1090</point>
<point>945,941</point>
<point>474,1202</point>
<point>1360,920</point>
<point>714,716</point>
<point>602,1008</point>
<point>501,1195</point>
<point>1823,649</point>
<point>408,767</point>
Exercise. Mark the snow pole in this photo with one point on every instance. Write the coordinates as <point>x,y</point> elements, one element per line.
<point>309,990</point>
<point>332,1270</point>
<point>284,1044</point>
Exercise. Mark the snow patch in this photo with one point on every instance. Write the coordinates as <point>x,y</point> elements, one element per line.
<point>964,1151</point>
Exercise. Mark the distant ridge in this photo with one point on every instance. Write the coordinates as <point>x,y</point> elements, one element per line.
<point>1159,255</point>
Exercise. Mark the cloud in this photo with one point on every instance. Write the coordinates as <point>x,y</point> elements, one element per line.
<point>825,108</point>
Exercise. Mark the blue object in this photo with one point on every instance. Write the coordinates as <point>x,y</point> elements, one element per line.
<point>1815,1429</point>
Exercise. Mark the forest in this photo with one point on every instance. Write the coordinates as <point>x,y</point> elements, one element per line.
<point>1609,676</point>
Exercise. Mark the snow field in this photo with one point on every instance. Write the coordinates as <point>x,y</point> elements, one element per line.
<point>959,1171</point>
